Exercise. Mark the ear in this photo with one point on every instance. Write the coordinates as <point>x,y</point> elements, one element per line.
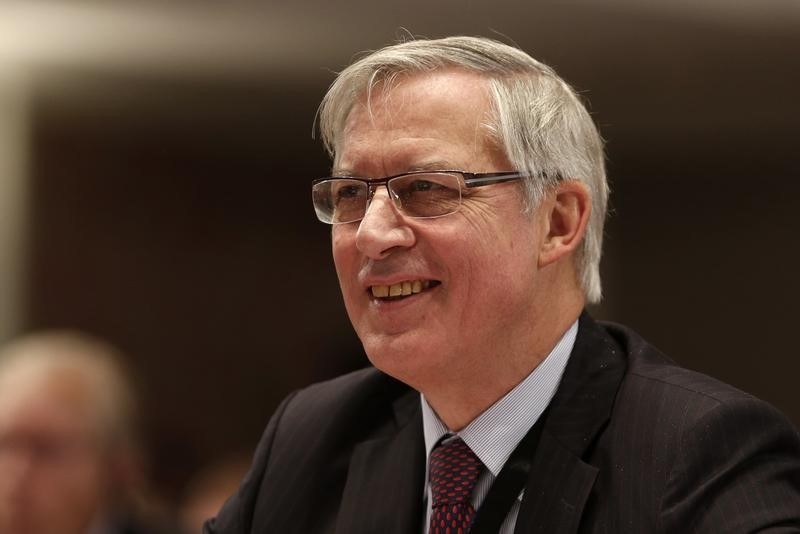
<point>567,216</point>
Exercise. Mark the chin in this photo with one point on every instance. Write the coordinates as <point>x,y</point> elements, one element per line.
<point>407,360</point>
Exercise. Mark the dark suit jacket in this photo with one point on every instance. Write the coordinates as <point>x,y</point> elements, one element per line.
<point>632,443</point>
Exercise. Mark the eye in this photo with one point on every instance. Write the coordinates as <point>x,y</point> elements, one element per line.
<point>428,187</point>
<point>348,191</point>
<point>427,194</point>
<point>344,190</point>
<point>423,186</point>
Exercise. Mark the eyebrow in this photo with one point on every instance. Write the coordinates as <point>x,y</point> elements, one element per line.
<point>431,166</point>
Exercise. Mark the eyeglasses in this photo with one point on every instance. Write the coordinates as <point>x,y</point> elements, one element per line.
<point>418,194</point>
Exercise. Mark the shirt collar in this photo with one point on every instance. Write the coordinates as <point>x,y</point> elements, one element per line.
<point>495,433</point>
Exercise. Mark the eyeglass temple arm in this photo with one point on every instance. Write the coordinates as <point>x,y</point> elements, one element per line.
<point>488,178</point>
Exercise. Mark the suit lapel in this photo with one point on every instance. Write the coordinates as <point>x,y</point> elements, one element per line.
<point>560,480</point>
<point>385,480</point>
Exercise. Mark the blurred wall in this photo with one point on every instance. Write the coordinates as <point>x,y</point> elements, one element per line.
<point>168,154</point>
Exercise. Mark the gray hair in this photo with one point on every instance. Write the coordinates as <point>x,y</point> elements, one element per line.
<point>538,120</point>
<point>97,367</point>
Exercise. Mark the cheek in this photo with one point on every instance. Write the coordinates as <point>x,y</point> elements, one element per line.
<point>343,249</point>
<point>73,506</point>
<point>346,261</point>
<point>79,479</point>
<point>503,268</point>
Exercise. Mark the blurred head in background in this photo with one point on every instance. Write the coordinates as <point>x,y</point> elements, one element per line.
<point>69,461</point>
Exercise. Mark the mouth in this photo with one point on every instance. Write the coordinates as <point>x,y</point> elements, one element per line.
<point>402,290</point>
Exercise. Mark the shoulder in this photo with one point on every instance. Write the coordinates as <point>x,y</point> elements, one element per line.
<point>304,452</point>
<point>337,413</point>
<point>707,447</point>
<point>652,374</point>
<point>337,400</point>
<point>654,403</point>
<point>363,382</point>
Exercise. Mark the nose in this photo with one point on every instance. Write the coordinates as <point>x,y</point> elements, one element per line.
<point>383,228</point>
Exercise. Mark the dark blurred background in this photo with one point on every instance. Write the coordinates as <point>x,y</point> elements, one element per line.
<point>154,187</point>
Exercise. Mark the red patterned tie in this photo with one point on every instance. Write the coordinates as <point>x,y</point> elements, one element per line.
<point>454,469</point>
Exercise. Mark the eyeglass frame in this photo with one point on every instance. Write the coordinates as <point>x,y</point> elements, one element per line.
<point>470,180</point>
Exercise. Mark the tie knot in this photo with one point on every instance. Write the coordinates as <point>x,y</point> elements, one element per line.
<point>454,470</point>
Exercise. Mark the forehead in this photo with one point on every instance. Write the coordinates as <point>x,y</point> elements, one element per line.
<point>54,399</point>
<point>419,116</point>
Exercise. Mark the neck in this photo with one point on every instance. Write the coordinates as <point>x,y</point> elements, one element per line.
<point>463,398</point>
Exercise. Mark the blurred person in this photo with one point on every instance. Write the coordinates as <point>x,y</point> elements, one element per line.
<point>70,460</point>
<point>467,203</point>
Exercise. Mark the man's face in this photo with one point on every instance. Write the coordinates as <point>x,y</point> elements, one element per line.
<point>53,473</point>
<point>479,265</point>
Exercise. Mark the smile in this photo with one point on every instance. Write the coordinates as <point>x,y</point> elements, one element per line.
<point>401,289</point>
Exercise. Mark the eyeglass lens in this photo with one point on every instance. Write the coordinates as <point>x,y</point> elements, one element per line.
<point>434,194</point>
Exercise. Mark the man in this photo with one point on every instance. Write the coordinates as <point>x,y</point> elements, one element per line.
<point>68,459</point>
<point>467,201</point>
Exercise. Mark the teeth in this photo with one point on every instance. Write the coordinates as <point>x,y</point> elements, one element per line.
<point>405,288</point>
<point>380,291</point>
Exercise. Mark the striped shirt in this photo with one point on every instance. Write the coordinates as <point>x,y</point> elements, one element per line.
<point>494,434</point>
